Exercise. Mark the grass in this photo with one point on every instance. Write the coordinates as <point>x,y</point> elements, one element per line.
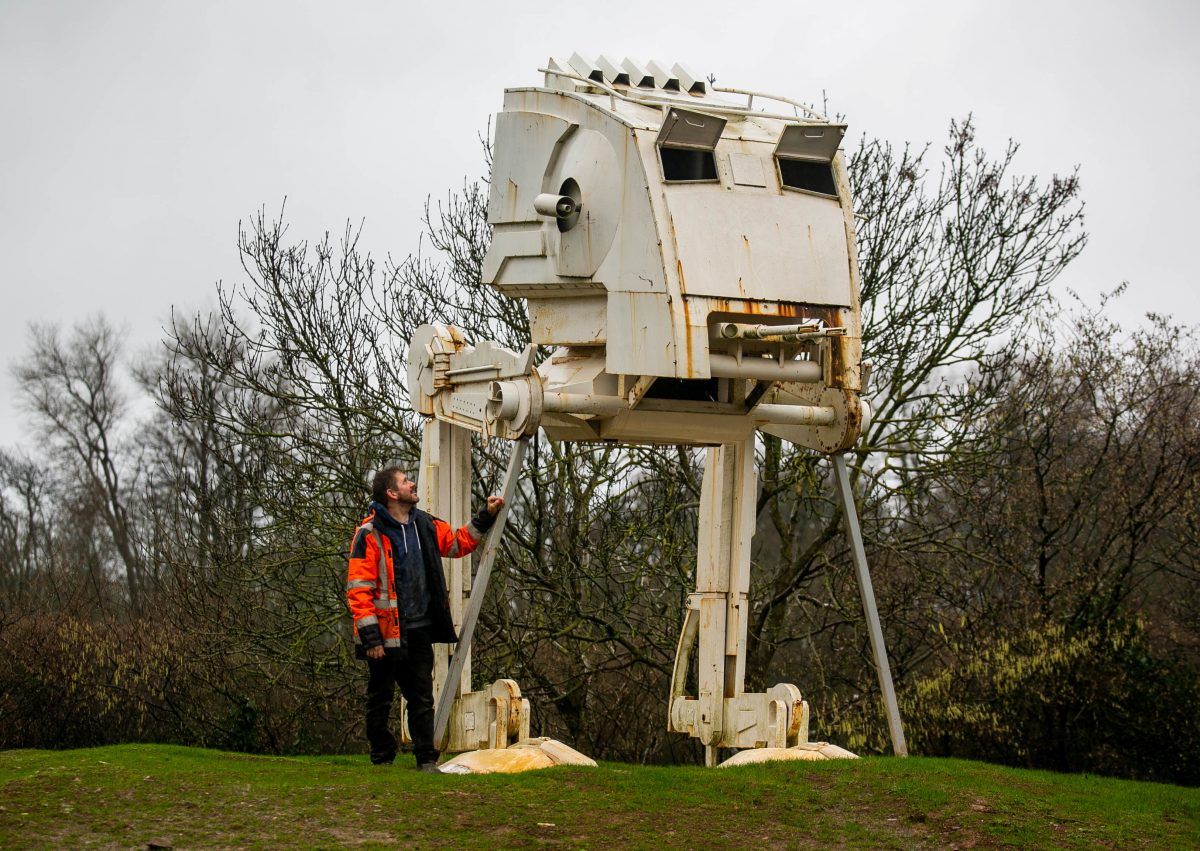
<point>131,795</point>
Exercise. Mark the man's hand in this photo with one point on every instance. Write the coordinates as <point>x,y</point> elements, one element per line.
<point>375,653</point>
<point>495,503</point>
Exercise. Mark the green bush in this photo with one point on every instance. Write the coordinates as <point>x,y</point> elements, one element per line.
<point>1097,700</point>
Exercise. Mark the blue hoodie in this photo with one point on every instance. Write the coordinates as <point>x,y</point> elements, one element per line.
<point>412,588</point>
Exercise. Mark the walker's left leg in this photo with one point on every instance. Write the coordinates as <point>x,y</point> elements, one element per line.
<point>497,715</point>
<point>444,485</point>
<point>445,489</point>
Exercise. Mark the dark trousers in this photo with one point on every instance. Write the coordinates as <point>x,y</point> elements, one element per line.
<point>414,674</point>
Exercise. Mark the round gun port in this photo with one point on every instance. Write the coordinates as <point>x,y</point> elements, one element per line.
<point>555,206</point>
<point>764,369</point>
<point>503,400</point>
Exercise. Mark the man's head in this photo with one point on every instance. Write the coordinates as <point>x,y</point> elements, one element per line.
<point>392,484</point>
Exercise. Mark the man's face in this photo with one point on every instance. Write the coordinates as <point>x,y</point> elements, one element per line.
<point>404,490</point>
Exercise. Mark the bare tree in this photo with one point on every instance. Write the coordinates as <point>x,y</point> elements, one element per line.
<point>25,539</point>
<point>72,390</point>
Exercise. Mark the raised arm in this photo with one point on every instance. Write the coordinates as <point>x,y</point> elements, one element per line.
<point>456,543</point>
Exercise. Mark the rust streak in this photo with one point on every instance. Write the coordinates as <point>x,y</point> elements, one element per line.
<point>687,324</point>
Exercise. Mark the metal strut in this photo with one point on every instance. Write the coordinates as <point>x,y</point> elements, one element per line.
<point>478,589</point>
<point>841,480</point>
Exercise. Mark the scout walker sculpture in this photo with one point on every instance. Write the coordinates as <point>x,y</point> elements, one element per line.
<point>690,259</point>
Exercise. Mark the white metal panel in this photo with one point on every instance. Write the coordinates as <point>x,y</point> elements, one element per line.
<point>569,321</point>
<point>510,241</point>
<point>747,169</point>
<point>641,340</point>
<point>760,246</point>
<point>523,144</point>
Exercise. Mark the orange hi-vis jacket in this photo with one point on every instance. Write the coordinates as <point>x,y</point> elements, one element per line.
<point>371,579</point>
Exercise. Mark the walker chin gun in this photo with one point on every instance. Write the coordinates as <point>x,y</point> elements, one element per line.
<point>686,255</point>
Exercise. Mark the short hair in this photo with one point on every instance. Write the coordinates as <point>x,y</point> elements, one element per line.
<point>383,480</point>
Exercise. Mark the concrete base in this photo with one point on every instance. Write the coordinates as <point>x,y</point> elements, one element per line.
<point>525,755</point>
<point>805,751</point>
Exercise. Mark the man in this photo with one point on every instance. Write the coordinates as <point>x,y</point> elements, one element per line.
<point>397,595</point>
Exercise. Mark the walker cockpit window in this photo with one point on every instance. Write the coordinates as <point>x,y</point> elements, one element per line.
<point>685,146</point>
<point>809,176</point>
<point>687,164</point>
<point>805,157</point>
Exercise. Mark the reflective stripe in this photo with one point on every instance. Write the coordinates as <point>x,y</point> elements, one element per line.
<point>381,603</point>
<point>475,532</point>
<point>454,550</point>
<point>383,572</point>
<point>360,583</point>
<point>387,642</point>
<point>367,621</point>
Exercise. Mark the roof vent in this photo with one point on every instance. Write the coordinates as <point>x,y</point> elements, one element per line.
<point>652,75</point>
<point>612,74</point>
<point>663,78</point>
<point>689,81</point>
<point>638,75</point>
<point>585,69</point>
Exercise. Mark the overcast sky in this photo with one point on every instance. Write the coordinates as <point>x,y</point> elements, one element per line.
<point>135,135</point>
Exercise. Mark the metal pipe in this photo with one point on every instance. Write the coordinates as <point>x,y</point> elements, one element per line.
<point>841,479</point>
<point>764,369</point>
<point>690,102</point>
<point>503,400</point>
<point>471,370</point>
<point>736,330</point>
<point>808,415</point>
<point>780,98</point>
<point>583,403</point>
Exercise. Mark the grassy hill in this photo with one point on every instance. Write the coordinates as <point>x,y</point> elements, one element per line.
<point>130,795</point>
